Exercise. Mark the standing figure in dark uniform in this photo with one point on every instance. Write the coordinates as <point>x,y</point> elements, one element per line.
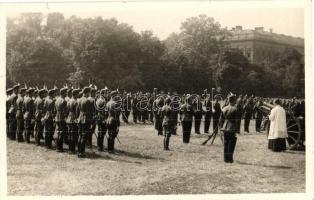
<point>150,108</point>
<point>216,115</point>
<point>186,118</point>
<point>135,111</point>
<point>157,106</point>
<point>113,121</point>
<point>61,113</point>
<point>83,121</point>
<point>92,120</point>
<point>127,104</point>
<point>29,114</point>
<point>207,108</point>
<point>72,107</point>
<point>198,114</point>
<point>12,112</point>
<point>102,115</point>
<point>49,110</point>
<point>39,108</point>
<point>228,126</point>
<point>175,105</point>
<point>258,114</point>
<point>248,111</point>
<point>19,115</point>
<point>9,93</point>
<point>239,105</point>
<point>168,122</point>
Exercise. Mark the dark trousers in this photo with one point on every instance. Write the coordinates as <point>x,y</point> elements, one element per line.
<point>230,141</point>
<point>158,124</point>
<point>167,131</point>
<point>247,124</point>
<point>215,124</point>
<point>151,116</point>
<point>38,131</point>
<point>135,116</point>
<point>91,130</point>
<point>83,131</point>
<point>49,131</point>
<point>258,123</point>
<point>112,135</point>
<point>186,128</point>
<point>61,133</point>
<point>72,136</point>
<point>12,126</point>
<point>197,123</point>
<point>102,129</point>
<point>207,119</point>
<point>20,130</point>
<point>28,129</point>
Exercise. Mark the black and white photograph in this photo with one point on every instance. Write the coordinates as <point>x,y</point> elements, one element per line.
<point>156,98</point>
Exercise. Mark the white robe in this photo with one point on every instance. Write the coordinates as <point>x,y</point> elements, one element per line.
<point>278,124</point>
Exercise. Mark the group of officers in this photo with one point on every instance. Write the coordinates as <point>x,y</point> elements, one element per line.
<point>70,116</point>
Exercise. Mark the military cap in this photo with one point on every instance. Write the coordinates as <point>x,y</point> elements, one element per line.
<point>63,90</point>
<point>232,97</point>
<point>86,89</point>
<point>9,90</point>
<point>41,91</point>
<point>168,100</point>
<point>17,86</point>
<point>113,93</point>
<point>51,92</point>
<point>22,89</point>
<point>75,91</point>
<point>30,90</point>
<point>103,91</point>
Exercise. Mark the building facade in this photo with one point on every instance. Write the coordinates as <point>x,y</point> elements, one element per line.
<point>261,46</point>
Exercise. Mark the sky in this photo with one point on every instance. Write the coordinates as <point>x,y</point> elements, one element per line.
<point>165,18</point>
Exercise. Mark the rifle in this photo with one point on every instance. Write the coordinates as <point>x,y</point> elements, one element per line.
<point>213,136</point>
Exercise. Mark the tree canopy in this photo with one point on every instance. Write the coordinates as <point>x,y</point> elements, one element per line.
<point>73,50</point>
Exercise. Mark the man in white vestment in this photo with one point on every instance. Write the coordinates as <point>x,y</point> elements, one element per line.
<point>278,128</point>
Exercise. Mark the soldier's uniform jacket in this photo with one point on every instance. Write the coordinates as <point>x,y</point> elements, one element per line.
<point>91,105</point>
<point>72,108</point>
<point>167,116</point>
<point>12,101</point>
<point>217,110</point>
<point>228,119</point>
<point>19,107</point>
<point>39,108</point>
<point>85,113</point>
<point>113,120</point>
<point>102,113</point>
<point>186,112</point>
<point>29,107</point>
<point>198,108</point>
<point>207,106</point>
<point>157,106</point>
<point>49,108</point>
<point>61,109</point>
<point>248,109</point>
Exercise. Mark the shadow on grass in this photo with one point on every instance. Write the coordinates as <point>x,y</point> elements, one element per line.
<point>264,165</point>
<point>135,155</point>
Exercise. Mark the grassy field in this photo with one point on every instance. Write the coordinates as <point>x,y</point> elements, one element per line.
<point>142,167</point>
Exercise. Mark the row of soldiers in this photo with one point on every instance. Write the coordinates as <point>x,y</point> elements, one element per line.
<point>74,114</point>
<point>70,113</point>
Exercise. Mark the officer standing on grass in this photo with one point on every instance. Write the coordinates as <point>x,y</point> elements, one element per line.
<point>72,107</point>
<point>39,104</point>
<point>113,121</point>
<point>49,113</point>
<point>83,121</point>
<point>19,115</point>
<point>186,118</point>
<point>228,126</point>
<point>12,112</point>
<point>168,122</point>
<point>207,108</point>
<point>61,113</point>
<point>29,114</point>
<point>102,115</point>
